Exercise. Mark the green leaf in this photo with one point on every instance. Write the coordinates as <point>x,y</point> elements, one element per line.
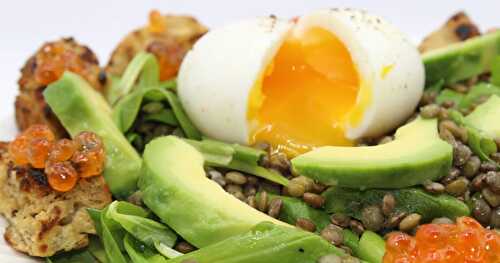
<point>256,170</point>
<point>144,229</point>
<point>247,154</point>
<point>184,121</point>
<point>140,253</point>
<point>112,239</point>
<point>95,215</point>
<point>436,87</point>
<point>166,251</point>
<point>143,65</point>
<point>215,153</point>
<point>476,93</point>
<point>294,208</point>
<point>449,95</point>
<point>127,109</point>
<point>351,240</point>
<point>96,248</point>
<point>495,71</point>
<point>169,84</point>
<point>371,247</point>
<point>165,116</point>
<point>76,256</point>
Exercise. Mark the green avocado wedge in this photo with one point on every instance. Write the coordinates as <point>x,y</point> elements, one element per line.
<point>176,189</point>
<point>265,243</point>
<point>462,60</point>
<point>80,108</point>
<point>486,117</point>
<point>411,200</point>
<point>416,155</point>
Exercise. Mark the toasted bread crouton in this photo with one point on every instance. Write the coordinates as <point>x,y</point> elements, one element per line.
<point>169,42</point>
<point>41,220</point>
<point>30,105</point>
<point>457,29</point>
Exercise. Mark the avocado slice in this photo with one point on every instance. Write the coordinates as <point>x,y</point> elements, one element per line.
<point>176,189</point>
<point>416,155</point>
<point>265,243</point>
<point>462,60</point>
<point>409,200</point>
<point>486,117</point>
<point>80,108</point>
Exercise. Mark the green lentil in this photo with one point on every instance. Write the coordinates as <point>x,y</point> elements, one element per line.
<point>471,167</point>
<point>461,154</point>
<point>356,226</point>
<point>410,222</point>
<point>184,247</point>
<point>493,181</point>
<point>305,224</point>
<point>235,178</point>
<point>429,111</point>
<point>495,218</point>
<point>314,200</point>
<point>442,220</point>
<point>372,218</point>
<point>481,210</point>
<point>263,199</point>
<point>388,204</point>
<point>295,189</point>
<point>492,198</point>
<point>341,220</point>
<point>332,258</point>
<point>457,187</point>
<point>333,234</point>
<point>275,208</point>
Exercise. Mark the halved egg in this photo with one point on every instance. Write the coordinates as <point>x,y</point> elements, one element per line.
<point>327,78</point>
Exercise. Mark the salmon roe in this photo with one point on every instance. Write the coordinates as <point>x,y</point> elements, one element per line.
<point>465,241</point>
<point>53,60</point>
<point>64,161</point>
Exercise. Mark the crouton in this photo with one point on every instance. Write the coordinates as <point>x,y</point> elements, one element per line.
<point>42,221</point>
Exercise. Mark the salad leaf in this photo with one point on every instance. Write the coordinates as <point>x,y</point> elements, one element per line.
<point>112,236</point>
<point>77,256</point>
<point>495,71</point>
<point>143,65</point>
<point>165,116</point>
<point>132,219</point>
<point>480,144</point>
<point>478,92</point>
<point>371,247</point>
<point>257,170</point>
<point>96,248</point>
<point>127,109</point>
<point>167,251</point>
<point>139,253</point>
<point>449,95</point>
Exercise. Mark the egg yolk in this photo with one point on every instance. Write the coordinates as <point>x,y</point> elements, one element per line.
<point>305,95</point>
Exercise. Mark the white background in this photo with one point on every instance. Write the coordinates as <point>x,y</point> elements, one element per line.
<point>25,25</point>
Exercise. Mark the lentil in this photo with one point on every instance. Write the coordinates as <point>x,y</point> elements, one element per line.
<point>249,190</point>
<point>433,187</point>
<point>252,180</point>
<point>458,186</point>
<point>184,247</point>
<point>442,220</point>
<point>235,178</point>
<point>372,218</point>
<point>395,219</point>
<point>488,166</point>
<point>429,111</point>
<point>341,220</point>
<point>492,198</point>
<point>493,181</point>
<point>251,201</point>
<point>314,200</point>
<point>495,218</point>
<point>305,224</point>
<point>262,204</point>
<point>275,207</point>
<point>332,258</point>
<point>388,204</point>
<point>295,189</point>
<point>451,176</point>
<point>356,226</point>
<point>481,210</point>
<point>461,154</point>
<point>479,182</point>
<point>333,234</point>
<point>471,167</point>
<point>410,222</point>
<point>217,177</point>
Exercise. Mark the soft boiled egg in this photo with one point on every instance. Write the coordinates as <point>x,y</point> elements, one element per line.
<point>327,78</point>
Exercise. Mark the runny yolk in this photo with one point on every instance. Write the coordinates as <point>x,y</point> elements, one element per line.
<point>305,95</point>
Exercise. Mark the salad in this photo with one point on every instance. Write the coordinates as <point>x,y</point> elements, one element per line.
<point>324,138</point>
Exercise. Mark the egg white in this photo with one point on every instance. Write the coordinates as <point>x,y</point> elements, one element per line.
<point>217,75</point>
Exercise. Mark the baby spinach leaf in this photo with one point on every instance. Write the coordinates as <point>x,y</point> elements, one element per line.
<point>214,152</point>
<point>495,71</point>
<point>112,239</point>
<point>140,253</point>
<point>144,69</point>
<point>476,93</point>
<point>165,116</point>
<point>96,248</point>
<point>76,256</point>
<point>449,95</point>
<point>166,251</point>
<point>144,229</point>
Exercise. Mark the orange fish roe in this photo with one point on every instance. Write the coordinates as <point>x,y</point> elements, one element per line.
<point>466,241</point>
<point>53,60</point>
<point>64,161</point>
<point>89,158</point>
<point>157,23</point>
<point>61,176</point>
